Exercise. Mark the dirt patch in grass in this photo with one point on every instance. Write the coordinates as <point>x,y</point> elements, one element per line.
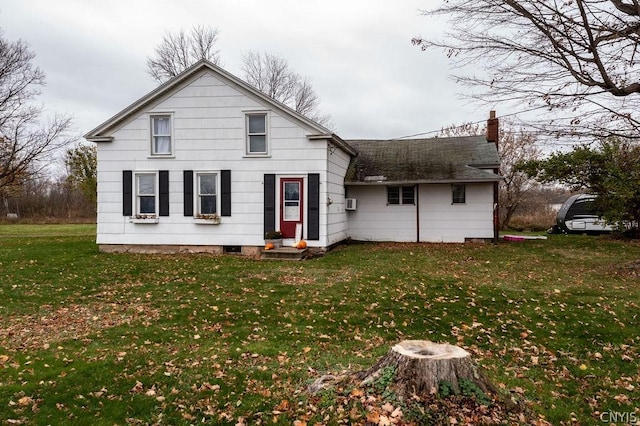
<point>74,321</point>
<point>630,269</point>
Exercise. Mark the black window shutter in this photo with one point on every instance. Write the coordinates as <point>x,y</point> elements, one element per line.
<point>269,202</point>
<point>313,206</point>
<point>127,193</point>
<point>188,192</point>
<point>225,183</point>
<point>164,193</point>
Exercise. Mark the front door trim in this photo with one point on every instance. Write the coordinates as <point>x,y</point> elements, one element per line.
<point>291,205</point>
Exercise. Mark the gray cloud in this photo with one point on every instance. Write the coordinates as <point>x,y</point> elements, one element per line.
<point>357,54</point>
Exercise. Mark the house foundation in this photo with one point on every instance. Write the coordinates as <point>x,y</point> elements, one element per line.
<point>171,249</point>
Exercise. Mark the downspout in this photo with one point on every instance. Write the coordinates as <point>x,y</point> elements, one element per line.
<point>492,137</point>
<point>417,213</point>
<point>496,212</point>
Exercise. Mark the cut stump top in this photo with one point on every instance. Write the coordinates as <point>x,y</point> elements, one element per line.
<point>425,349</point>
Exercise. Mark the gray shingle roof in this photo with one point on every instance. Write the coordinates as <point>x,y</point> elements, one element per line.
<point>459,159</point>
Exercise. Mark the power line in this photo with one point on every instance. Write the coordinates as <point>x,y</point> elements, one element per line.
<point>475,122</point>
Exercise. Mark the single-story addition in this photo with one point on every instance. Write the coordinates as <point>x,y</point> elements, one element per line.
<point>205,162</point>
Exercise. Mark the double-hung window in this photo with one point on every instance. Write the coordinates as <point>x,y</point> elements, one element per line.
<point>257,140</point>
<point>207,198</point>
<point>400,195</point>
<point>458,194</point>
<point>161,135</point>
<point>146,194</point>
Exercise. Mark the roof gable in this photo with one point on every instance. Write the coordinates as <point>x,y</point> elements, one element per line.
<point>102,132</point>
<point>460,159</point>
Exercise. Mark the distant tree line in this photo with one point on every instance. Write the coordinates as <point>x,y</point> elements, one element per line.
<point>68,197</point>
<point>29,143</point>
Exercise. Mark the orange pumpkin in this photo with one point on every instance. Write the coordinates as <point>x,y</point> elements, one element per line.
<point>269,246</point>
<point>302,244</point>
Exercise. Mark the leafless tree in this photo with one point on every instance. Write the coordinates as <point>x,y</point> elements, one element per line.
<point>272,75</point>
<point>577,59</point>
<point>464,129</point>
<point>25,139</point>
<point>177,52</point>
<point>514,146</point>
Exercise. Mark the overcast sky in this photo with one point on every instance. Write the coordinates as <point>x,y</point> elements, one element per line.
<point>357,53</point>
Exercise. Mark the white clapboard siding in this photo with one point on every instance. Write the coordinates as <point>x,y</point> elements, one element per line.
<point>337,225</point>
<point>442,221</point>
<point>208,118</point>
<point>374,220</point>
<point>439,220</point>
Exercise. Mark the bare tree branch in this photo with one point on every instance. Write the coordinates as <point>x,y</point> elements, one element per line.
<point>272,75</point>
<point>516,146</point>
<point>177,52</point>
<point>26,143</point>
<point>571,56</point>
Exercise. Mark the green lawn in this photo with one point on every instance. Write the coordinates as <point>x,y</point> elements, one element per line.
<point>91,338</point>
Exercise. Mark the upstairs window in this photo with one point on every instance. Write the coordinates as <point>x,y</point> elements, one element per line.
<point>161,135</point>
<point>146,194</point>
<point>400,195</point>
<point>458,194</point>
<point>207,193</point>
<point>257,134</point>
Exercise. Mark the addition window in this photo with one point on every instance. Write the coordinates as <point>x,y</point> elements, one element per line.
<point>207,197</point>
<point>400,195</point>
<point>146,194</point>
<point>257,134</point>
<point>458,194</point>
<point>161,135</point>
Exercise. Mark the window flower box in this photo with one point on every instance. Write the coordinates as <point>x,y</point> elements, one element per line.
<point>144,218</point>
<point>207,219</point>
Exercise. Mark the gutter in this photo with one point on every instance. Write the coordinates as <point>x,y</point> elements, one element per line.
<point>417,182</point>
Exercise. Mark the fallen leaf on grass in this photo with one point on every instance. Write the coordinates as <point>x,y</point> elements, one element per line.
<point>137,388</point>
<point>357,392</point>
<point>373,417</point>
<point>388,408</point>
<point>396,413</point>
<point>25,401</point>
<point>283,406</point>
<point>384,421</point>
<point>622,399</point>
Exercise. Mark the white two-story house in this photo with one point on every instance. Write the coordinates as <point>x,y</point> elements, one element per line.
<point>208,163</point>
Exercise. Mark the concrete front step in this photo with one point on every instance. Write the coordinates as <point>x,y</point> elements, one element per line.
<point>284,253</point>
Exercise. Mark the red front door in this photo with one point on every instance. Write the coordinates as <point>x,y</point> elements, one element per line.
<point>291,205</point>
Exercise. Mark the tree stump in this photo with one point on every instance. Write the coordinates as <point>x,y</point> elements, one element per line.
<point>421,366</point>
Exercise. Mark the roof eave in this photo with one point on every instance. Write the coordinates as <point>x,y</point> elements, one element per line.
<point>336,140</point>
<point>98,139</point>
<point>420,181</point>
